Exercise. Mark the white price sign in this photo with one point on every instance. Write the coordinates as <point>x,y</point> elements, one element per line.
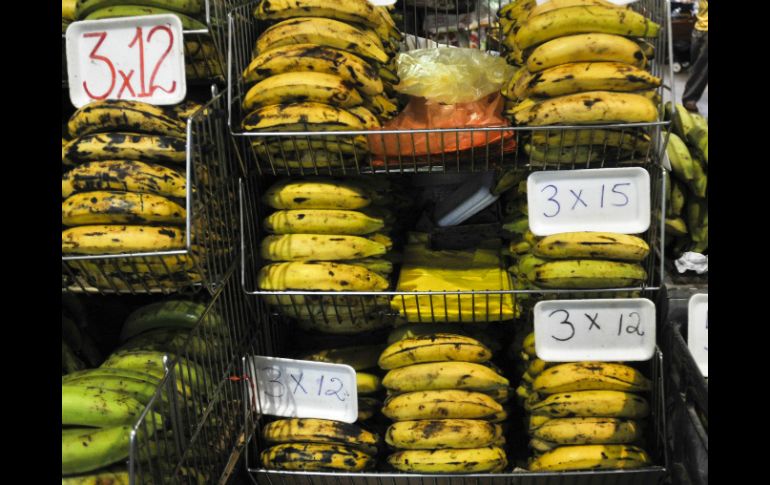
<point>602,199</point>
<point>302,388</point>
<point>614,329</point>
<point>134,58</point>
<point>698,330</point>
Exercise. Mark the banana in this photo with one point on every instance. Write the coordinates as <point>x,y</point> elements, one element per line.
<point>110,207</point>
<point>356,11</point>
<point>332,312</point>
<point>682,164</point>
<point>382,267</point>
<point>516,10</point>
<point>535,421</point>
<point>315,457</point>
<point>320,431</point>
<point>367,407</point>
<point>587,273</point>
<point>582,376</point>
<point>443,404</point>
<point>598,245</point>
<point>577,77</point>
<point>528,345</point>
<point>681,121</point>
<point>109,239</point>
<point>192,7</point>
<point>138,389</point>
<point>367,383</point>
<point>151,362</point>
<point>443,375</point>
<point>321,276</point>
<point>678,198</point>
<point>84,450</point>
<point>611,138</point>
<point>188,23</point>
<point>344,325</point>
<point>180,314</point>
<point>322,31</point>
<point>519,248</point>
<point>574,154</point>
<point>540,445</point>
<point>68,9</point>
<point>699,184</point>
<point>584,19</point>
<point>589,107</point>
<point>611,404</point>
<point>316,194</point>
<point>154,268</point>
<point>593,47</point>
<point>471,460</point>
<point>122,115</point>
<point>293,87</point>
<point>591,457</point>
<point>536,367</point>
<point>588,431</point>
<point>699,139</point>
<point>438,347</point>
<point>318,247</point>
<point>296,148</point>
<point>125,146</point>
<point>312,58</point>
<point>92,406</point>
<point>108,477</point>
<point>697,216</point>
<point>359,357</point>
<point>129,176</point>
<point>303,116</point>
<point>517,226</point>
<point>111,373</point>
<point>367,117</point>
<point>381,106</point>
<point>556,4</point>
<point>432,434</point>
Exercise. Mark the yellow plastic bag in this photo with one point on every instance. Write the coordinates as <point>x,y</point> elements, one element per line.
<point>451,75</point>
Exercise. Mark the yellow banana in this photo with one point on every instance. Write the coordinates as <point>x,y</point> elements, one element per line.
<point>345,325</point>
<point>291,87</point>
<point>367,407</point>
<point>316,194</point>
<point>471,460</point>
<point>315,457</point>
<point>123,115</point>
<point>443,375</point>
<point>580,376</point>
<point>556,4</point>
<point>107,207</point>
<point>593,47</point>
<point>356,11</point>
<point>434,348</point>
<point>319,276</point>
<point>625,140</point>
<point>367,383</point>
<point>125,146</point>
<point>443,404</point>
<point>432,434</point>
<point>589,107</point>
<point>612,404</point>
<point>588,431</point>
<point>367,117</point>
<point>382,267</point>
<point>587,273</point>
<point>114,239</point>
<point>130,176</point>
<point>308,430</point>
<point>535,421</point>
<point>318,247</point>
<point>577,77</point>
<point>302,116</point>
<point>381,106</point>
<point>591,457</point>
<point>599,245</point>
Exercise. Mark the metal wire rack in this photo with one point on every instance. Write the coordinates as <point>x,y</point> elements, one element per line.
<point>325,308</point>
<point>211,230</point>
<point>200,398</point>
<point>438,150</point>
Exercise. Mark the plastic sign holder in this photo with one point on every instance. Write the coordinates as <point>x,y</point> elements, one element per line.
<point>132,58</point>
<point>602,199</point>
<point>698,330</point>
<point>302,388</point>
<point>610,330</point>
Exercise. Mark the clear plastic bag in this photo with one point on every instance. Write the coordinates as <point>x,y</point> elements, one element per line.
<point>451,75</point>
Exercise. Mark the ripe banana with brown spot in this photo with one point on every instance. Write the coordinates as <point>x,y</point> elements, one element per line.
<point>321,276</point>
<point>295,87</point>
<point>612,404</point>
<point>367,383</point>
<point>580,376</point>
<point>123,115</point>
<point>342,324</point>
<point>109,207</point>
<point>587,273</point>
<point>126,175</point>
<point>316,194</point>
<point>89,449</point>
<point>367,117</point>
<point>356,11</point>
<point>589,107</point>
<point>322,31</point>
<point>301,116</point>
<point>367,407</point>
<point>626,141</point>
<point>443,375</point>
<point>443,404</point>
<point>432,434</point>
<point>382,267</point>
<point>593,47</point>
<point>308,430</point>
<point>125,146</point>
<point>588,431</point>
<point>471,460</point>
<point>598,245</point>
<point>591,457</point>
<point>318,247</point>
<point>315,457</point>
<point>438,347</point>
<point>115,239</point>
<point>576,77</point>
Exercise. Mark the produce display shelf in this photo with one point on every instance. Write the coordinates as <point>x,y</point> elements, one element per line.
<point>211,231</point>
<point>407,150</point>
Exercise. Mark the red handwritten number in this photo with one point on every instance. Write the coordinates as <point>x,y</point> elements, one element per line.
<point>153,87</point>
<point>102,36</point>
<point>139,38</point>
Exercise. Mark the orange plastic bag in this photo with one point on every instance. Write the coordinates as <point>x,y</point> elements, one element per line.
<point>464,144</point>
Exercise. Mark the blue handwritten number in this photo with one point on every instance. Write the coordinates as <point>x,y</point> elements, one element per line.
<point>620,193</point>
<point>635,329</point>
<point>551,199</point>
<point>335,393</point>
<point>320,384</point>
<point>274,380</point>
<point>564,322</point>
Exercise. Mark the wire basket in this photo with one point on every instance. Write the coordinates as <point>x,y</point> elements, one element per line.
<point>211,230</point>
<point>381,308</point>
<point>407,151</point>
<point>201,403</point>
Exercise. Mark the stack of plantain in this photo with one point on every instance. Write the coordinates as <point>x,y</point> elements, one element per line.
<point>200,55</point>
<point>446,398</point>
<point>124,191</point>
<point>323,65</point>
<point>687,191</point>
<point>581,62</point>
<point>330,235</point>
<point>306,444</point>
<point>583,415</point>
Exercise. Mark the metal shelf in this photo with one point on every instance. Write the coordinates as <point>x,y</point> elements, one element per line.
<point>401,151</point>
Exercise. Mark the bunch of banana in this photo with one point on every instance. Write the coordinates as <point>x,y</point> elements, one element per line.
<point>580,62</point>
<point>686,218</point>
<point>318,445</point>
<point>323,65</point>
<point>124,192</point>
<point>329,235</point>
<point>445,397</point>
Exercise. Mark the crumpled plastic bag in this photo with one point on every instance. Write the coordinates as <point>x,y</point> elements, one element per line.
<point>451,75</point>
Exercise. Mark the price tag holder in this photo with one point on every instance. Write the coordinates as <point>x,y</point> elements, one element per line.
<point>698,330</point>
<point>302,388</point>
<point>602,199</point>
<point>615,329</point>
<point>133,58</point>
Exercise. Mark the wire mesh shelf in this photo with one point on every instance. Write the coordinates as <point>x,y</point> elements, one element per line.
<point>344,311</point>
<point>211,231</point>
<point>441,150</point>
<point>199,401</point>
